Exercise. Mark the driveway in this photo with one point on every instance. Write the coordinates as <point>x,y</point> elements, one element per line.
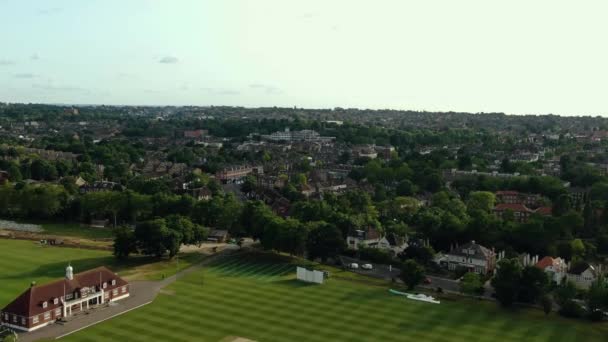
<point>379,271</point>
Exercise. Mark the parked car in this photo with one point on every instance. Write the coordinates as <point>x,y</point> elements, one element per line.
<point>367,266</point>
<point>354,266</point>
<point>427,281</point>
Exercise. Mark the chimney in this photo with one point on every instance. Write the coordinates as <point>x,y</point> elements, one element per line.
<point>33,283</point>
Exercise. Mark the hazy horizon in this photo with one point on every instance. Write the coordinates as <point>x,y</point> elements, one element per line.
<point>520,57</point>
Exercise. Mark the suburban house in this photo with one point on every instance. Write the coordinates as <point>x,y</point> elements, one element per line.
<point>236,173</point>
<point>516,197</point>
<point>202,194</point>
<point>370,238</point>
<point>3,177</point>
<point>520,212</point>
<point>556,268</point>
<point>218,235</point>
<point>197,133</point>
<point>41,305</point>
<point>582,275</point>
<point>472,256</point>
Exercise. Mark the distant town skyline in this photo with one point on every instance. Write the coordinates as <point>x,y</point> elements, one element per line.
<point>516,57</point>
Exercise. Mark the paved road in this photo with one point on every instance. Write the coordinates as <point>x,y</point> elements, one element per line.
<point>379,270</point>
<point>445,283</point>
<point>141,293</point>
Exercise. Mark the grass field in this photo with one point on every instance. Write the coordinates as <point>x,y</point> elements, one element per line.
<point>77,230</point>
<point>22,262</point>
<point>260,300</point>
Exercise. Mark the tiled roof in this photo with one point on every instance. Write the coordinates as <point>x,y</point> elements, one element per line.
<point>479,251</point>
<point>29,303</point>
<point>545,262</point>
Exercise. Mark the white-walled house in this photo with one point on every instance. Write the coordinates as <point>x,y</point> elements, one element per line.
<point>582,275</point>
<point>372,239</point>
<point>556,268</point>
<point>472,256</point>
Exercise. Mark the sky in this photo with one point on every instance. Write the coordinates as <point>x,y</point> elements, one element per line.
<point>517,56</point>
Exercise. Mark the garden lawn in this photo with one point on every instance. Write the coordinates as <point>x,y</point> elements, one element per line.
<point>258,298</point>
<point>22,262</point>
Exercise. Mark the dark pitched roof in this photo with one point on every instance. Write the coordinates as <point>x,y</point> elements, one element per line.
<point>580,267</point>
<point>29,303</point>
<point>472,249</point>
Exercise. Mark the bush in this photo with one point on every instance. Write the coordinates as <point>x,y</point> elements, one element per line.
<point>571,309</point>
<point>596,315</point>
<point>375,255</point>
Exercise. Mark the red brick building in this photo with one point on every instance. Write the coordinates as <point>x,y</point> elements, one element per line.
<point>41,305</point>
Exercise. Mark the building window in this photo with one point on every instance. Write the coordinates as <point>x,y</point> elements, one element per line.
<point>47,315</point>
<point>14,318</point>
<point>57,312</point>
<point>69,296</point>
<point>22,320</point>
<point>124,289</point>
<point>114,292</point>
<point>44,305</point>
<point>35,319</point>
<point>6,317</point>
<point>105,285</point>
<point>113,282</point>
<point>107,295</point>
<point>56,301</point>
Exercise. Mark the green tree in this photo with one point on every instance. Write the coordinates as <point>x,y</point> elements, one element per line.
<point>412,274</point>
<point>547,304</point>
<point>562,205</point>
<point>481,200</point>
<point>324,241</point>
<point>124,242</point>
<point>471,284</point>
<point>152,237</point>
<point>534,282</point>
<point>506,282</point>
<point>597,299</point>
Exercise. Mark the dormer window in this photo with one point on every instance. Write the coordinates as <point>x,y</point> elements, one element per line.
<point>105,284</point>
<point>113,282</point>
<point>44,305</point>
<point>56,301</point>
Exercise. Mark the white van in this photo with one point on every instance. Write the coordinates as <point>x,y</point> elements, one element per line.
<point>367,266</point>
<point>354,266</point>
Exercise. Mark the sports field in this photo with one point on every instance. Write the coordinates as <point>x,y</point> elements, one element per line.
<point>22,262</point>
<point>246,296</point>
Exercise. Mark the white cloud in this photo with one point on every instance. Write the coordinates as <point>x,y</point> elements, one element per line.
<point>6,62</point>
<point>168,60</point>
<point>24,75</point>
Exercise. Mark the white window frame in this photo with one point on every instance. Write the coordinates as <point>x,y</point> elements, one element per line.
<point>44,304</point>
<point>35,319</point>
<point>69,296</point>
<point>47,315</point>
<point>22,320</point>
<point>115,292</point>
<point>57,312</point>
<point>14,318</point>
<point>56,301</point>
<point>113,282</point>
<point>105,284</point>
<point>124,289</point>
